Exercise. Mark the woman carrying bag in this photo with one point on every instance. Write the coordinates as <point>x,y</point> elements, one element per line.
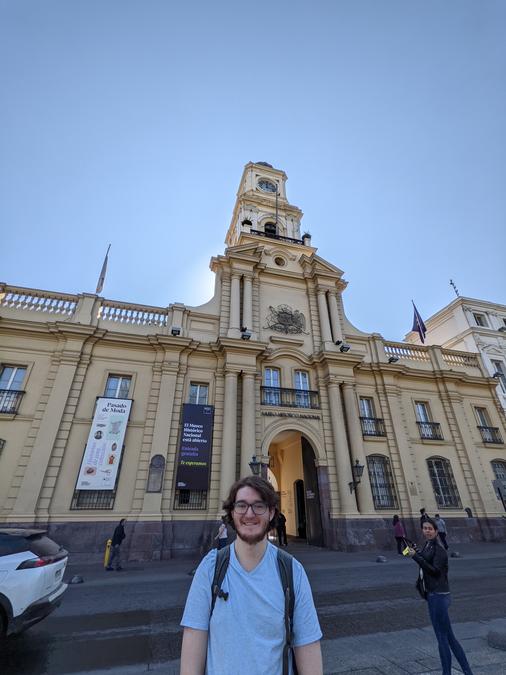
<point>432,585</point>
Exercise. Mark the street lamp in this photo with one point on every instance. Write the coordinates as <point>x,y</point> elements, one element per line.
<point>258,468</point>
<point>357,470</point>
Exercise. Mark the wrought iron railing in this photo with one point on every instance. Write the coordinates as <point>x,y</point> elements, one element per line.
<point>190,500</point>
<point>93,500</point>
<point>430,431</point>
<point>261,233</point>
<point>372,426</point>
<point>290,398</point>
<point>490,434</point>
<point>10,400</point>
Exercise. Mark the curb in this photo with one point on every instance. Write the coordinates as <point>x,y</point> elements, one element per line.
<point>497,640</point>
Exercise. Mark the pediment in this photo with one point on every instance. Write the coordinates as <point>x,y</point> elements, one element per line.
<point>250,249</point>
<point>320,266</point>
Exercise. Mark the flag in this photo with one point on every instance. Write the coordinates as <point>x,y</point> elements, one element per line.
<point>418,324</point>
<point>103,271</point>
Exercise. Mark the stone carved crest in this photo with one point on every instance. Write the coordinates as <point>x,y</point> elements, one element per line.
<point>284,319</point>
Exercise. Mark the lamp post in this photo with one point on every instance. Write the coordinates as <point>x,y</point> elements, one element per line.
<point>357,471</point>
<point>258,468</point>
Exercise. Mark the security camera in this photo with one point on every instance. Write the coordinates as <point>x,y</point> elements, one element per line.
<point>344,347</point>
<point>175,331</point>
<point>245,334</point>
<point>393,359</point>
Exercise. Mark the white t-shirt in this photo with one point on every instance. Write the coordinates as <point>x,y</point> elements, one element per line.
<point>247,631</point>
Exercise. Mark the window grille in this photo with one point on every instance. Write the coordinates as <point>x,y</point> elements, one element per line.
<point>499,468</point>
<point>382,482</point>
<point>443,483</point>
<point>190,500</point>
<point>93,500</point>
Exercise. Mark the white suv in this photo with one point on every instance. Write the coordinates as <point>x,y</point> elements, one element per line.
<point>31,578</point>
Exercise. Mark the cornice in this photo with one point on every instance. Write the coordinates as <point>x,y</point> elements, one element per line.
<point>238,346</point>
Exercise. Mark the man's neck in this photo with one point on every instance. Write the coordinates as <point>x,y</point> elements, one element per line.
<point>249,555</point>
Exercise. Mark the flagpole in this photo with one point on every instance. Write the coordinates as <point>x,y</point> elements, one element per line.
<point>101,278</point>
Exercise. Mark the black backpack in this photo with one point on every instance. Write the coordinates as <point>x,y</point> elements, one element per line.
<point>286,576</point>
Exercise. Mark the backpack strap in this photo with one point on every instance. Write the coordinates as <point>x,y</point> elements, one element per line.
<point>286,573</point>
<point>220,569</point>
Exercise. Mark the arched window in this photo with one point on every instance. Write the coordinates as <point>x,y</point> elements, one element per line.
<point>382,482</point>
<point>270,229</point>
<point>246,223</point>
<point>443,483</point>
<point>499,469</point>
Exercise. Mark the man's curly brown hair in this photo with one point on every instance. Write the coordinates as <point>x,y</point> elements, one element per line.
<point>264,489</point>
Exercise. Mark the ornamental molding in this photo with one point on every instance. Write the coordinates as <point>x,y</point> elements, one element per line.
<point>284,319</point>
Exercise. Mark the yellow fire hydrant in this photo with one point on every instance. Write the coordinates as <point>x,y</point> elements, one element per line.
<point>107,552</point>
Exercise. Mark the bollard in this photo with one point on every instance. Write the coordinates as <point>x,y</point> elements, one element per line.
<point>107,554</point>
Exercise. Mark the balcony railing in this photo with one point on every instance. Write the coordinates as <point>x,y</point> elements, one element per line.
<point>10,400</point>
<point>372,426</point>
<point>290,398</point>
<point>276,236</point>
<point>490,434</point>
<point>430,431</point>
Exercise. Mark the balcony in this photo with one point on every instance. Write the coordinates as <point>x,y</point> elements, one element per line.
<point>260,233</point>
<point>372,426</point>
<point>430,431</point>
<point>290,398</point>
<point>490,434</point>
<point>10,400</point>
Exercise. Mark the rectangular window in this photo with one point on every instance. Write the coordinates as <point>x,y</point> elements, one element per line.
<point>271,392</point>
<point>271,377</point>
<point>301,384</point>
<point>500,369</point>
<point>117,386</point>
<point>482,417</point>
<point>481,319</point>
<point>366,406</point>
<point>198,393</point>
<point>422,411</point>
<point>443,483</point>
<point>11,381</point>
<point>11,377</point>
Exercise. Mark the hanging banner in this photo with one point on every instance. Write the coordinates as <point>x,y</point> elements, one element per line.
<point>102,454</point>
<point>195,447</point>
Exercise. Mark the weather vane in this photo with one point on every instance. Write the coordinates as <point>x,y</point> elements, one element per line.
<point>452,284</point>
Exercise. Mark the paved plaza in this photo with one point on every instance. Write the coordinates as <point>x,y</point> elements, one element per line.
<point>373,621</point>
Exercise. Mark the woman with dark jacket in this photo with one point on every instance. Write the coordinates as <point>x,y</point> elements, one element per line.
<point>433,584</point>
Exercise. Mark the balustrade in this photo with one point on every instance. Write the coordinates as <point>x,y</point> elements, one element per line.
<point>138,315</point>
<point>404,351</point>
<point>38,301</point>
<point>290,398</point>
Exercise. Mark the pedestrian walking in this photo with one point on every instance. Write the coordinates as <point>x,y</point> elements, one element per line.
<point>222,535</point>
<point>117,539</point>
<point>441,529</point>
<point>433,585</point>
<point>399,533</point>
<point>281,529</point>
<point>238,616</point>
<point>423,517</point>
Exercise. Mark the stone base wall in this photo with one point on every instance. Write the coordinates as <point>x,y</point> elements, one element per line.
<point>166,540</point>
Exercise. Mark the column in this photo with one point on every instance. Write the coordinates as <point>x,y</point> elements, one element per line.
<point>334,317</point>
<point>248,446</point>
<point>163,423</point>
<point>228,446</point>
<point>247,303</point>
<point>363,489</point>
<point>235,305</point>
<point>324,316</point>
<point>33,479</point>
<point>343,467</point>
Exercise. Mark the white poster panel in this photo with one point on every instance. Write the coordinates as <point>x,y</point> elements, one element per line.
<point>102,455</point>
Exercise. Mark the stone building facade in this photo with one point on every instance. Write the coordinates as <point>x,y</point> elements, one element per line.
<point>350,428</point>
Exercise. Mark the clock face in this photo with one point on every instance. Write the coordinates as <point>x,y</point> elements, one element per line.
<point>267,186</point>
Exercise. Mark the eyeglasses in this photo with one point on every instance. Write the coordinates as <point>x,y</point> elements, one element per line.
<point>258,508</point>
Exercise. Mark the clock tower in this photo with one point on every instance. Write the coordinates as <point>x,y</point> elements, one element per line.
<point>262,207</point>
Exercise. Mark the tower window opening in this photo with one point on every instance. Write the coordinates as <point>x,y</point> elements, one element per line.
<point>246,223</point>
<point>270,229</point>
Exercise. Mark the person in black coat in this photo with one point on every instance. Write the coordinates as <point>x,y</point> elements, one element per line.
<point>117,538</point>
<point>433,584</point>
<point>281,529</point>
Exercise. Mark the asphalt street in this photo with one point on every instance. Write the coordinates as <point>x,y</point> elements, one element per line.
<point>128,622</point>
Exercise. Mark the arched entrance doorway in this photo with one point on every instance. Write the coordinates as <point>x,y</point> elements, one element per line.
<point>292,468</point>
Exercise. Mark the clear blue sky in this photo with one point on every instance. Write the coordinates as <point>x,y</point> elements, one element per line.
<point>130,121</point>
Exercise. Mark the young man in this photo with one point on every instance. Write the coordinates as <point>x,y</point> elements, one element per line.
<point>117,538</point>
<point>441,529</point>
<point>246,632</point>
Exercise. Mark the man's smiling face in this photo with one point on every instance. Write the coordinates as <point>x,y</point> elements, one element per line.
<point>251,527</point>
